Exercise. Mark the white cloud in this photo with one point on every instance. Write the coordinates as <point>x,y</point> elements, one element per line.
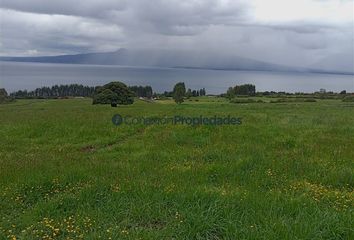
<point>331,12</point>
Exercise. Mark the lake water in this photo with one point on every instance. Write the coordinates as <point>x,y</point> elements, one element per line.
<point>15,76</point>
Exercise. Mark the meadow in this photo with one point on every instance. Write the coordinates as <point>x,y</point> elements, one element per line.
<point>66,172</point>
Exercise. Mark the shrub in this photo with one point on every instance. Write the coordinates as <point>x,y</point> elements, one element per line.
<point>4,98</point>
<point>3,95</point>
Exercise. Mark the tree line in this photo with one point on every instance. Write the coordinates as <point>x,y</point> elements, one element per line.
<point>189,93</point>
<point>114,93</point>
<point>179,92</point>
<point>56,91</point>
<point>117,93</point>
<point>245,90</point>
<point>75,90</point>
<point>142,91</point>
<point>195,93</point>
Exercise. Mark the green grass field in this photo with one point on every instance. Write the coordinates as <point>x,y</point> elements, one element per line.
<point>66,172</point>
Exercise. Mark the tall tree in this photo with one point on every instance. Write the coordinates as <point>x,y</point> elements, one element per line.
<point>230,94</point>
<point>179,91</point>
<point>189,93</point>
<point>3,95</point>
<point>194,93</point>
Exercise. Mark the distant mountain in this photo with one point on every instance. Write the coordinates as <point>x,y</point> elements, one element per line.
<point>163,58</point>
<point>343,62</point>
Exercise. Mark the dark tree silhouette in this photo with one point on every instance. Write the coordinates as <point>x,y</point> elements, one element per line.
<point>179,91</point>
<point>246,89</point>
<point>72,90</point>
<point>141,91</point>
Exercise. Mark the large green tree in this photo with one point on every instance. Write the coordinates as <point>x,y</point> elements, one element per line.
<point>114,93</point>
<point>179,91</point>
<point>189,93</point>
<point>106,97</point>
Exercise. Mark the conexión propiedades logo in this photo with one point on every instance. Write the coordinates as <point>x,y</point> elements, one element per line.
<point>215,120</point>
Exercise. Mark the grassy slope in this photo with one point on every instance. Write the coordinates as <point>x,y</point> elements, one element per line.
<point>285,173</point>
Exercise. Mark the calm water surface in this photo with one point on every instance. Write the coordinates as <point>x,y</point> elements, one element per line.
<point>15,76</point>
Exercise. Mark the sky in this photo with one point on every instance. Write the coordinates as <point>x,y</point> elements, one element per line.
<point>295,33</point>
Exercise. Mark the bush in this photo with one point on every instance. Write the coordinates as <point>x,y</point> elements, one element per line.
<point>3,95</point>
<point>4,98</point>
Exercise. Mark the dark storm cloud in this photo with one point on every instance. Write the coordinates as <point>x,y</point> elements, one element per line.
<point>301,28</point>
<point>165,16</point>
<point>87,8</point>
<point>300,34</point>
<point>179,17</point>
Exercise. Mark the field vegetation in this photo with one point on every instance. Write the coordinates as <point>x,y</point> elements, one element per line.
<point>66,172</point>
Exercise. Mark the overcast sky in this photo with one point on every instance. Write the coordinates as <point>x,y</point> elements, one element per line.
<point>291,32</point>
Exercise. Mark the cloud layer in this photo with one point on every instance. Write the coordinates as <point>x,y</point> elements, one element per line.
<point>298,33</point>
